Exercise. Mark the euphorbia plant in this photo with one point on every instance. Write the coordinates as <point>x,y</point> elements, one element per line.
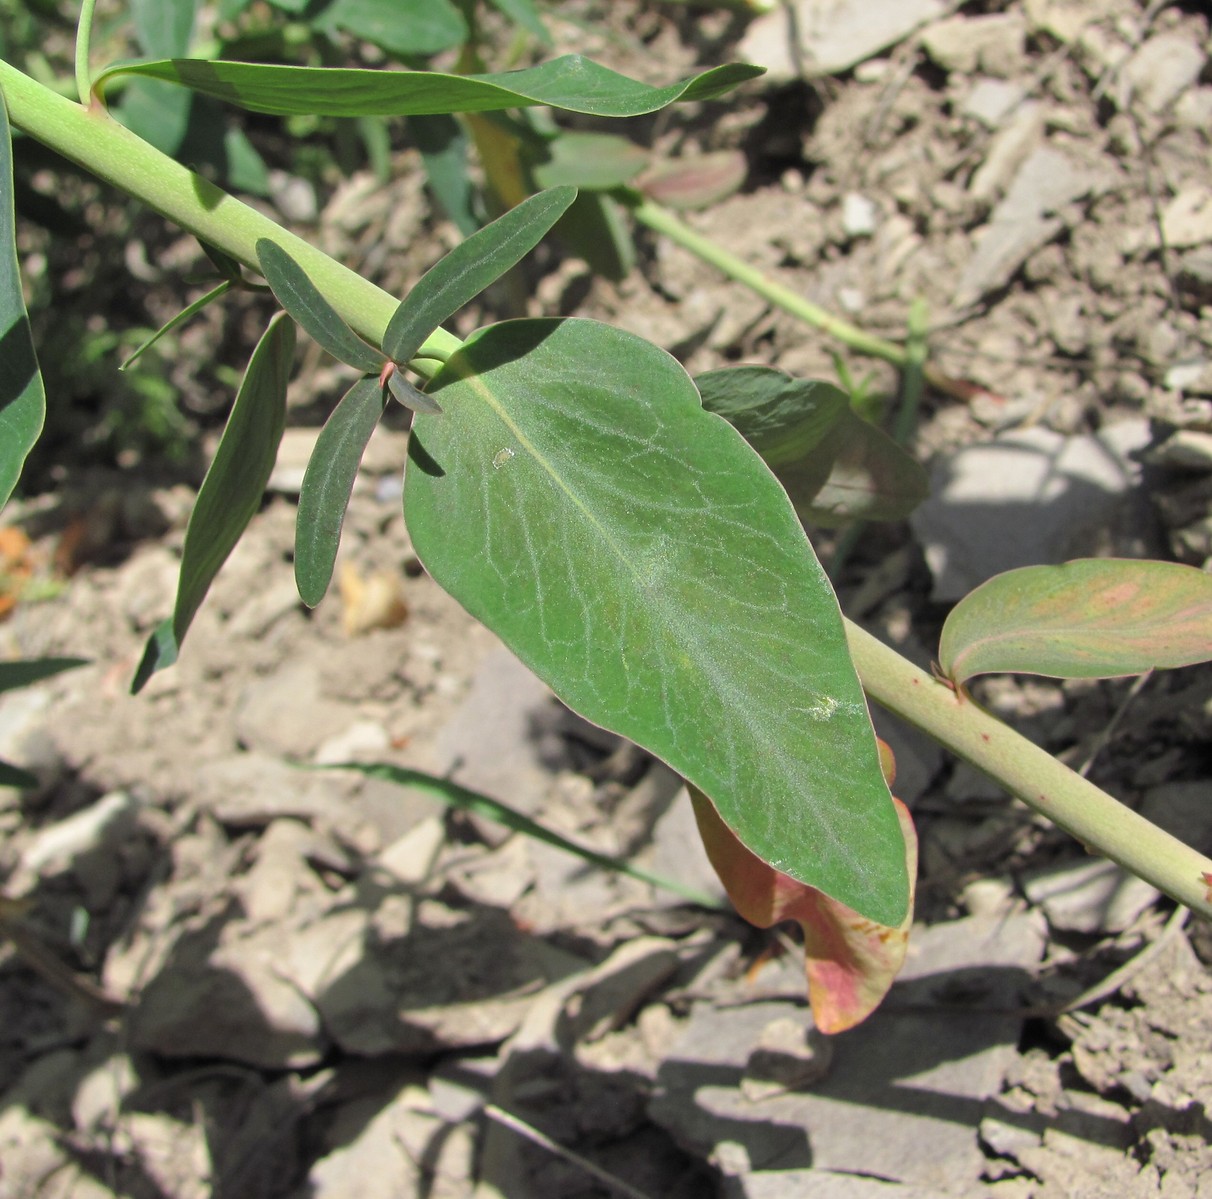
<point>585,498</point>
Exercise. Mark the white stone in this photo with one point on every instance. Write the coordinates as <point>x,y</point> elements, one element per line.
<point>860,215</point>
<point>1028,497</point>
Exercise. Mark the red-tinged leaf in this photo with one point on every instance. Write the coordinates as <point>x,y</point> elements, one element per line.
<point>1095,618</point>
<point>695,181</point>
<point>850,961</point>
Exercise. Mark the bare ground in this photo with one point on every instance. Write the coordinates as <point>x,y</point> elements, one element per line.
<point>325,986</point>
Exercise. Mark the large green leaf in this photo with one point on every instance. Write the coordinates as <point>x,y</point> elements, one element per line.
<point>232,490</point>
<point>572,83</point>
<point>637,554</point>
<point>315,315</point>
<point>408,28</point>
<point>469,268</point>
<point>22,397</point>
<point>328,483</point>
<point>1095,618</point>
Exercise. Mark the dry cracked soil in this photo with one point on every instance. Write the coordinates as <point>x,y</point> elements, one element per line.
<point>226,975</point>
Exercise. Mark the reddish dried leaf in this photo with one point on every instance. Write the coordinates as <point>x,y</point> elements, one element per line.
<point>695,181</point>
<point>850,961</point>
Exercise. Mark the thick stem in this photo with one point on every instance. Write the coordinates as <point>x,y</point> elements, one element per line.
<point>1098,821</point>
<point>95,141</point>
<point>106,149</point>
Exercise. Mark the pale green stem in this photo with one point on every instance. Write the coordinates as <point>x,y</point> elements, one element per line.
<point>84,37</point>
<point>661,220</point>
<point>94,140</point>
<point>1073,803</point>
<point>98,143</point>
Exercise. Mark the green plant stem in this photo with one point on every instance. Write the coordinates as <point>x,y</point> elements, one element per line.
<point>95,141</point>
<point>98,143</point>
<point>1097,820</point>
<point>661,220</point>
<point>84,37</point>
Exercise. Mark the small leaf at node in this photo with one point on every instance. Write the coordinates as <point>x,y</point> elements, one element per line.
<point>469,268</point>
<point>328,483</point>
<point>315,315</point>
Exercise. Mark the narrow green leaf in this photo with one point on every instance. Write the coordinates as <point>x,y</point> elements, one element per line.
<point>317,318</point>
<point>492,809</point>
<point>469,268</point>
<point>224,263</point>
<point>637,554</point>
<point>1095,618</point>
<point>591,160</point>
<point>444,147</point>
<point>184,315</point>
<point>328,484</point>
<point>14,776</point>
<point>24,671</point>
<point>407,28</point>
<point>22,397</point>
<point>409,396</point>
<point>571,83</point>
<point>232,490</point>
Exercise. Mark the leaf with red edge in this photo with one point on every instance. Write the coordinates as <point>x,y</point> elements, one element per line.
<point>850,961</point>
<point>1093,618</point>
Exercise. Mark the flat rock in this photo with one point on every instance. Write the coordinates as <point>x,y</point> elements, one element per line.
<point>905,1093</point>
<point>990,101</point>
<point>1090,896</point>
<point>1024,220</point>
<point>248,790</point>
<point>992,43</point>
<point>383,1147</point>
<point>1160,70</point>
<point>1187,219</point>
<point>503,740</point>
<point>834,35</point>
<point>1028,497</point>
<point>818,1184</point>
<point>285,714</point>
<point>387,980</point>
<point>228,1001</point>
